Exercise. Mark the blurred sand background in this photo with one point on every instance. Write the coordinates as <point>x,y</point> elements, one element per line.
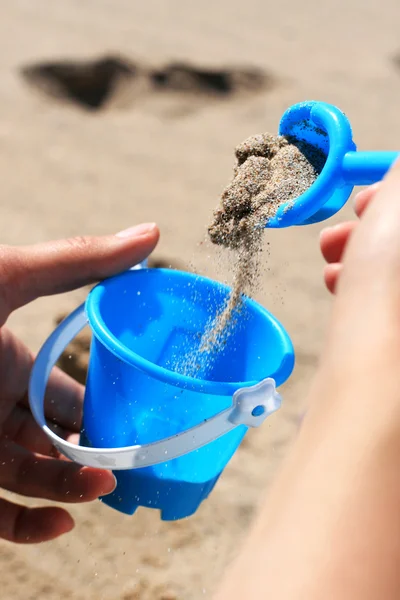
<point>165,155</point>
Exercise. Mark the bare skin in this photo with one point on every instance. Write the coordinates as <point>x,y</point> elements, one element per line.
<point>330,525</point>
<point>29,464</point>
<point>333,240</point>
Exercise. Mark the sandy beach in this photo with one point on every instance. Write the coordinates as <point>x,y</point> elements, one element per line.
<point>159,148</point>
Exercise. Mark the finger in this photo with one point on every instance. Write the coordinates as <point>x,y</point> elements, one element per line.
<point>376,238</point>
<point>64,396</point>
<point>363,198</point>
<point>23,525</point>
<point>21,428</point>
<point>64,401</point>
<point>331,276</point>
<point>333,241</point>
<point>369,288</point>
<point>54,267</point>
<point>15,367</point>
<point>29,474</point>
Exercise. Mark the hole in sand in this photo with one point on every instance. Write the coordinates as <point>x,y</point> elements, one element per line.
<point>90,84</point>
<point>396,60</point>
<point>110,80</point>
<point>159,262</point>
<point>181,77</point>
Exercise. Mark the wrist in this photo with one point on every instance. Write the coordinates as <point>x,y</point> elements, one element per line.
<point>351,402</point>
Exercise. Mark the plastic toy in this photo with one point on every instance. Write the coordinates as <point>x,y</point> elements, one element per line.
<point>166,436</point>
<point>327,128</point>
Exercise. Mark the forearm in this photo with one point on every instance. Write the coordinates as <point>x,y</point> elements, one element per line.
<point>330,527</point>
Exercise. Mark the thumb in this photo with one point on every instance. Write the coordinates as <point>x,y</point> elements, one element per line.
<point>365,326</point>
<point>54,267</point>
<point>373,254</point>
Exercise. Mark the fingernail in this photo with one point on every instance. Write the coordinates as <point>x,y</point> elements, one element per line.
<point>136,230</point>
<point>109,485</point>
<point>357,198</point>
<point>69,524</point>
<point>370,189</point>
<point>325,231</point>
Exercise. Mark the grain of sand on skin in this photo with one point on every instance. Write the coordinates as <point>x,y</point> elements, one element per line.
<point>271,171</point>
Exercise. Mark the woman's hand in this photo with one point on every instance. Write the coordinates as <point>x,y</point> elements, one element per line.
<point>331,518</point>
<point>333,240</point>
<point>29,464</point>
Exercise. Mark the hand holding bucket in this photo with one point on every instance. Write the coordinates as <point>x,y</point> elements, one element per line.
<point>166,436</point>
<point>326,127</point>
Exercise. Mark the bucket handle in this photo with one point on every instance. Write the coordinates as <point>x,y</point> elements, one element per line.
<point>250,407</point>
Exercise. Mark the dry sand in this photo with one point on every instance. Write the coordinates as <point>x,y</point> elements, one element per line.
<point>271,172</point>
<point>165,154</point>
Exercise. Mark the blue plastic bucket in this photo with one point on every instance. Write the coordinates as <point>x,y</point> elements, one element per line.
<point>167,436</point>
<point>143,323</point>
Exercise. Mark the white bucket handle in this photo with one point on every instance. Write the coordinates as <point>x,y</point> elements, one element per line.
<point>250,407</point>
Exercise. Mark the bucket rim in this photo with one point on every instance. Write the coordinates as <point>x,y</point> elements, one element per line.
<point>217,388</point>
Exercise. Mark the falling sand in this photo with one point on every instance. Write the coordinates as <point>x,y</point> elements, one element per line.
<point>271,171</point>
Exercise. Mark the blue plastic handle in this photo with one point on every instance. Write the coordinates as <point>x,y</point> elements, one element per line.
<point>327,128</point>
<point>365,168</point>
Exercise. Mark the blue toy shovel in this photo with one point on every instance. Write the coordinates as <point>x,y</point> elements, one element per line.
<point>327,128</point>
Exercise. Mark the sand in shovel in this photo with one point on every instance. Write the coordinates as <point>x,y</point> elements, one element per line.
<point>270,171</point>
